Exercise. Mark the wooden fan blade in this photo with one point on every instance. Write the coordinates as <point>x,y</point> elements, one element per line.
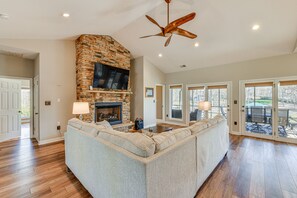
<point>168,1</point>
<point>184,33</point>
<point>179,22</point>
<point>160,34</point>
<point>154,22</point>
<point>168,41</point>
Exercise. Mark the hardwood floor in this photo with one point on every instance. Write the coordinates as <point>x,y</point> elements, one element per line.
<point>252,168</point>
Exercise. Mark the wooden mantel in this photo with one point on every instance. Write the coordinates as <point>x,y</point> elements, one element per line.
<point>111,92</point>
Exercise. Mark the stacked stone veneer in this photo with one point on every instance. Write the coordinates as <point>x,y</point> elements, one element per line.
<point>104,49</point>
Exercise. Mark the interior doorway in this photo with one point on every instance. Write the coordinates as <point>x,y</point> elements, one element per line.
<point>15,108</point>
<point>160,100</point>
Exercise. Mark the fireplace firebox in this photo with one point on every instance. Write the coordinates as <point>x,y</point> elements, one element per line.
<point>109,111</point>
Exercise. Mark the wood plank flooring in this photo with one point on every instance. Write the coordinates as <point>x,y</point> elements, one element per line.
<point>252,168</point>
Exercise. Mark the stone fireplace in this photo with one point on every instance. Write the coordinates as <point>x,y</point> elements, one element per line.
<point>91,49</point>
<point>109,111</point>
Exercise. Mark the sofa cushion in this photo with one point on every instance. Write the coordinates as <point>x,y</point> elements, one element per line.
<point>219,118</point>
<point>212,121</point>
<point>91,129</point>
<point>104,124</point>
<point>198,126</point>
<point>181,133</point>
<point>76,123</point>
<point>164,140</point>
<point>136,143</point>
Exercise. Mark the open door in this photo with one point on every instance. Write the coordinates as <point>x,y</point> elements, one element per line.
<point>10,109</point>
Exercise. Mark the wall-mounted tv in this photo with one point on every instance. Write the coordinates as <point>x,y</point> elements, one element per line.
<point>108,77</point>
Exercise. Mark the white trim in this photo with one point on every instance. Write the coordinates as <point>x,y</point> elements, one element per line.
<point>182,99</point>
<point>235,133</point>
<point>49,141</point>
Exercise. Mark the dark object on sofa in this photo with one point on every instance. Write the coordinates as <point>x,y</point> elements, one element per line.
<point>195,115</point>
<point>138,124</point>
<point>176,113</point>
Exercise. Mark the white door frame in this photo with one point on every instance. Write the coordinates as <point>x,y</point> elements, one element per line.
<point>205,85</point>
<point>275,135</point>
<point>163,101</point>
<point>31,98</point>
<point>37,134</point>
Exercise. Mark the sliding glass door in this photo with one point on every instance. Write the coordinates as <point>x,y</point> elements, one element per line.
<point>257,108</point>
<point>269,109</point>
<point>287,109</point>
<point>216,93</point>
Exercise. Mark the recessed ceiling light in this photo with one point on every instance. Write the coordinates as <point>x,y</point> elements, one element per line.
<point>196,44</point>
<point>256,27</point>
<point>4,16</point>
<point>66,15</point>
<point>160,55</point>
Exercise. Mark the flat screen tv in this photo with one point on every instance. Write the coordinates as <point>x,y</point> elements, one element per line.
<point>108,77</point>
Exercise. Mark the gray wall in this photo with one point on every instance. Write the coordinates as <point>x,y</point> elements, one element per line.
<point>16,66</point>
<point>273,67</point>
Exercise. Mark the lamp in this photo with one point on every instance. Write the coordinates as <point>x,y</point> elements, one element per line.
<point>204,106</point>
<point>80,108</point>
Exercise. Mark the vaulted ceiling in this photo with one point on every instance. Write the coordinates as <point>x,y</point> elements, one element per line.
<point>224,28</point>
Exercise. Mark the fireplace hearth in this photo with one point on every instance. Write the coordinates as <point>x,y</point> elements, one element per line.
<point>109,111</point>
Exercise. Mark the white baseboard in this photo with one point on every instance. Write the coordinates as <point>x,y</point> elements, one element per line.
<point>235,133</point>
<point>175,123</point>
<point>148,126</point>
<point>49,141</point>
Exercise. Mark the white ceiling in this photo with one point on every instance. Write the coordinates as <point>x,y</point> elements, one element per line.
<point>223,27</point>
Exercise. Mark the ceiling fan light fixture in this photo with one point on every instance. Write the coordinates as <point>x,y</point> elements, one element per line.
<point>160,55</point>
<point>196,44</point>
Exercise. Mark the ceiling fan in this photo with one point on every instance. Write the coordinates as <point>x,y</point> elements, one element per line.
<point>173,27</point>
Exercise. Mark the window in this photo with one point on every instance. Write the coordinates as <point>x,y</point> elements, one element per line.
<point>176,103</point>
<point>196,94</point>
<point>218,96</point>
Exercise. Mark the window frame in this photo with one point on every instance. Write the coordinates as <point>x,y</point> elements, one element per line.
<point>170,102</point>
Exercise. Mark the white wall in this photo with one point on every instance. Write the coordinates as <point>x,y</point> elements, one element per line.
<point>148,75</point>
<point>152,77</point>
<point>273,67</point>
<point>57,81</point>
<point>16,66</point>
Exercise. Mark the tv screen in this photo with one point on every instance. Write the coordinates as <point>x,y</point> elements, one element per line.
<point>108,77</point>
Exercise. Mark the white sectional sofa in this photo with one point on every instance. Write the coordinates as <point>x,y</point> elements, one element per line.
<point>112,164</point>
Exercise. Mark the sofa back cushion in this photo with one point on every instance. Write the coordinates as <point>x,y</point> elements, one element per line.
<point>136,143</point>
<point>198,127</point>
<point>164,140</point>
<point>76,123</point>
<point>167,139</point>
<point>181,133</point>
<point>104,124</point>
